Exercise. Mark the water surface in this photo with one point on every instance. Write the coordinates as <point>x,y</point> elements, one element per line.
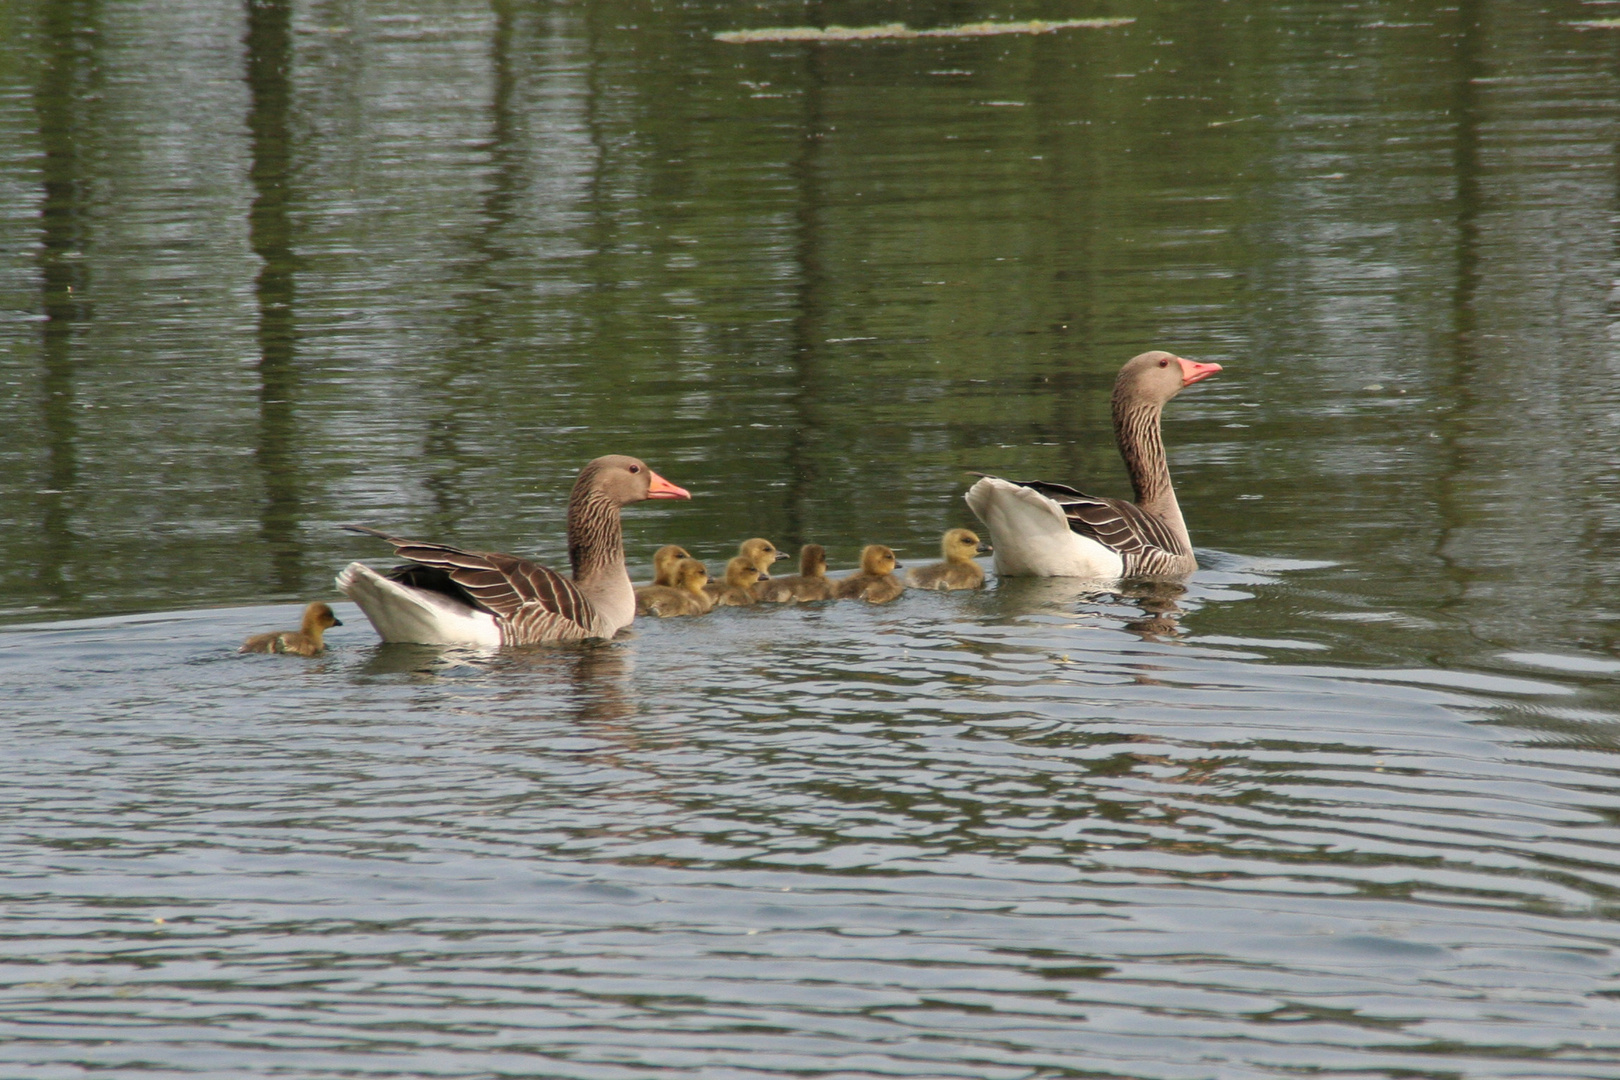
<point>1346,806</point>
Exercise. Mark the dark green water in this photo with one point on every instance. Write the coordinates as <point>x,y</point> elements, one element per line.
<point>1345,808</point>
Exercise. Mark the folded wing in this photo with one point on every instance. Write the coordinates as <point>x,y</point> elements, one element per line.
<point>529,602</point>
<point>1147,545</point>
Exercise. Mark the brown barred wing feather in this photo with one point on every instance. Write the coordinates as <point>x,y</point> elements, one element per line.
<point>1146,544</point>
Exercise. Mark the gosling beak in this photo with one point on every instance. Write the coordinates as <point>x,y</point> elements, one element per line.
<point>763,576</point>
<point>659,488</point>
<point>1192,371</point>
<point>985,549</point>
<point>780,555</point>
<point>898,564</point>
<point>336,621</point>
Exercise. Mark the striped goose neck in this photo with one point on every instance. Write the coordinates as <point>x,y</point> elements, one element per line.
<point>595,542</point>
<point>1141,444</point>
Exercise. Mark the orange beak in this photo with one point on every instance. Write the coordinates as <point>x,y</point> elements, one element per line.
<point>659,488</point>
<point>1192,371</point>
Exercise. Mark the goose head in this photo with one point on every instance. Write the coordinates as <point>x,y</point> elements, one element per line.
<point>1153,378</point>
<point>760,552</point>
<point>623,480</point>
<point>960,545</point>
<point>742,574</point>
<point>878,560</point>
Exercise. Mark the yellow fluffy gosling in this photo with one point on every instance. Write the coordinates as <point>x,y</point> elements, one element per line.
<point>760,553</point>
<point>809,584</point>
<point>664,560</point>
<point>738,588</point>
<point>305,641</point>
<point>684,597</point>
<point>876,582</point>
<point>958,571</point>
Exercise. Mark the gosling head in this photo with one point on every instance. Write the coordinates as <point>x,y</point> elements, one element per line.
<point>760,552</point>
<point>318,617</point>
<point>664,561</point>
<point>743,574</point>
<point>960,545</point>
<point>879,560</point>
<point>690,575</point>
<point>812,561</point>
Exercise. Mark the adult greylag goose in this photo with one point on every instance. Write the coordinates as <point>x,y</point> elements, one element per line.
<point>448,596</point>
<point>875,583</point>
<point>307,640</point>
<point>958,571</point>
<point>808,585</point>
<point>1051,530</point>
<point>664,560</point>
<point>684,596</point>
<point>760,553</point>
<point>737,590</point>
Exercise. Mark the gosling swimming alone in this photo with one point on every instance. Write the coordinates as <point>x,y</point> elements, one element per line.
<point>307,640</point>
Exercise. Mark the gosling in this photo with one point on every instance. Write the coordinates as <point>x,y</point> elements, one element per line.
<point>307,640</point>
<point>664,560</point>
<point>684,597</point>
<point>760,554</point>
<point>876,583</point>
<point>808,585</point>
<point>958,571</point>
<point>738,588</point>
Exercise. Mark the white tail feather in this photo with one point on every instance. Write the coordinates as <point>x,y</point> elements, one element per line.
<point>405,613</point>
<point>1032,537</point>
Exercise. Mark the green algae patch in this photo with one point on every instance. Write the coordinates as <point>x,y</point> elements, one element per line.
<point>900,31</point>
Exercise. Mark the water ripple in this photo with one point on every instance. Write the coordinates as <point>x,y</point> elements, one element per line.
<point>988,836</point>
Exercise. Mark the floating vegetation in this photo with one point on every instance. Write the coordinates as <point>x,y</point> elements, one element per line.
<point>896,31</point>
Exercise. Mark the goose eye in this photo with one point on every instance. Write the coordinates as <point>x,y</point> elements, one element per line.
<point>635,468</point>
<point>1162,363</point>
